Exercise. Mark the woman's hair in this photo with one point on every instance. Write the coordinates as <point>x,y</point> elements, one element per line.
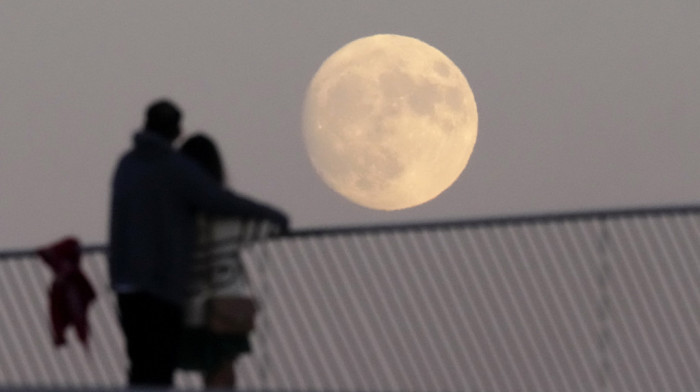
<point>201,149</point>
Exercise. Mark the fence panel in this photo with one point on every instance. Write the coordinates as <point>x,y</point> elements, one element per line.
<point>586,302</point>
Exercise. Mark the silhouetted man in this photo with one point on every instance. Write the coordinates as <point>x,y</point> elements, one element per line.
<point>155,194</point>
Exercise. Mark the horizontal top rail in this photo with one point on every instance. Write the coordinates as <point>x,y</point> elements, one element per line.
<point>506,220</point>
<point>6,255</point>
<point>599,214</point>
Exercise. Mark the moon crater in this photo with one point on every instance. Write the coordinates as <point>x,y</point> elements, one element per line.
<point>389,122</point>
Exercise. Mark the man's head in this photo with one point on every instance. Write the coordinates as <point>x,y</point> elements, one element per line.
<point>163,118</point>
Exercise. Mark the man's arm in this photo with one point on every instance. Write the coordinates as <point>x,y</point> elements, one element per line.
<point>210,197</point>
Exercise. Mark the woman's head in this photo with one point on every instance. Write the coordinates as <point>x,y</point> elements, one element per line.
<point>202,150</point>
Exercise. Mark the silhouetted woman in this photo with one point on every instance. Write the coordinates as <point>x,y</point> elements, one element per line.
<point>213,354</point>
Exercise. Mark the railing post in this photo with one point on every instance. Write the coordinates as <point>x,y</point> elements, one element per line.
<point>603,309</point>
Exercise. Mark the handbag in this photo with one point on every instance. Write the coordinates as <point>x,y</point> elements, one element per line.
<point>231,315</point>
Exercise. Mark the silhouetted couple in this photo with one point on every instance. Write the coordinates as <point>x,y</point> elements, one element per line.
<point>158,194</point>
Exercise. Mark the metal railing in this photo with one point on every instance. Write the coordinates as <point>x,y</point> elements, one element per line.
<point>599,301</point>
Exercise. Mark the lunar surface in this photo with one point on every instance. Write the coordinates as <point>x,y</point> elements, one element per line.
<point>389,122</point>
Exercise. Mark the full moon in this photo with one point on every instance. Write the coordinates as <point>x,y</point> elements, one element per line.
<point>389,122</point>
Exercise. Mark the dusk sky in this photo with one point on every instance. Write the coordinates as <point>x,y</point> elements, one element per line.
<point>582,104</point>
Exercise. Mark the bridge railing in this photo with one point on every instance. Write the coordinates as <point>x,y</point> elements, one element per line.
<point>595,301</point>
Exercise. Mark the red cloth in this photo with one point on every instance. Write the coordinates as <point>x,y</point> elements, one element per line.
<point>70,293</point>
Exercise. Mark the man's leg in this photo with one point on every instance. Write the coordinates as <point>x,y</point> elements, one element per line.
<point>152,330</point>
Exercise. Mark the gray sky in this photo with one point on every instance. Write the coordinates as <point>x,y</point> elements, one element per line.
<point>582,104</point>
